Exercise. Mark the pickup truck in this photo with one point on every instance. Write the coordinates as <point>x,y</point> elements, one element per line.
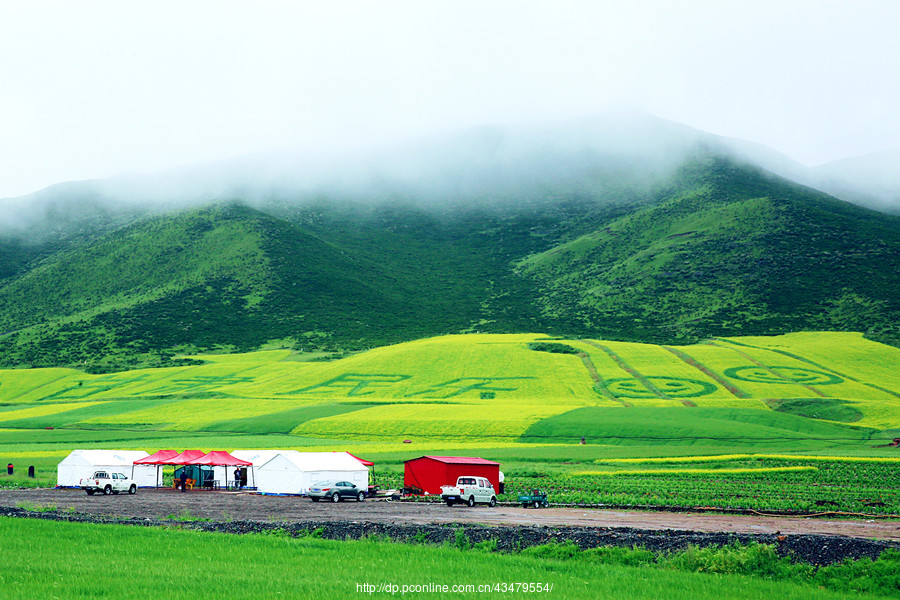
<point>469,490</point>
<point>107,483</point>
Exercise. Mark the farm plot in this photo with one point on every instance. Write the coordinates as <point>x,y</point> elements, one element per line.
<point>33,385</point>
<point>462,369</point>
<point>677,379</point>
<point>393,422</point>
<point>866,370</point>
<point>794,485</point>
<point>197,414</point>
<point>43,410</point>
<point>750,378</point>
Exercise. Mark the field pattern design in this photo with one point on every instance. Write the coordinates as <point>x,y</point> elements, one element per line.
<point>489,387</point>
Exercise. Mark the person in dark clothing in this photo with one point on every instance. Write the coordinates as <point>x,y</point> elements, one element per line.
<point>237,478</point>
<point>183,479</point>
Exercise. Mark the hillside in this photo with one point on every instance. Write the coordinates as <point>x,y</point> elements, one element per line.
<point>597,237</point>
<point>802,389</point>
<point>229,277</point>
<point>731,251</point>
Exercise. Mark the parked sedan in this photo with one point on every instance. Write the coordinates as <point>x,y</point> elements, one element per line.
<point>335,491</point>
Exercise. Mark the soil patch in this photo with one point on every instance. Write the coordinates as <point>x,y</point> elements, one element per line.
<point>811,540</point>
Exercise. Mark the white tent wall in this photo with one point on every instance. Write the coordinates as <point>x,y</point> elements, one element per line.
<point>292,472</point>
<point>80,464</point>
<point>258,458</point>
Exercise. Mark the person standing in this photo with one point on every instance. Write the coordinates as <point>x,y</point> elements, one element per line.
<point>237,478</point>
<point>183,479</point>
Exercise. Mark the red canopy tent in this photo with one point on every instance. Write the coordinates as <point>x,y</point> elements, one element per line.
<point>220,458</point>
<point>185,458</point>
<point>158,458</point>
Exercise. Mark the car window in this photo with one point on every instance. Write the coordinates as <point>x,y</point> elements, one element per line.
<point>466,481</point>
<point>101,475</point>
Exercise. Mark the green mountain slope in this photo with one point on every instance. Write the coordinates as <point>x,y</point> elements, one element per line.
<point>717,249</point>
<point>234,277</point>
<point>730,251</point>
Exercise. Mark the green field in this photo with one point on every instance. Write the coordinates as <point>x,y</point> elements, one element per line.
<point>524,400</point>
<point>90,561</point>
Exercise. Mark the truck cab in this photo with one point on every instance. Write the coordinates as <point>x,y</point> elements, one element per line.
<point>470,490</point>
<point>107,482</point>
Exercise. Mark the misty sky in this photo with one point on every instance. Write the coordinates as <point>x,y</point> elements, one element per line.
<point>91,89</point>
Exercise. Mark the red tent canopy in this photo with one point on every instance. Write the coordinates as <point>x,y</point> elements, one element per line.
<point>366,463</point>
<point>220,458</point>
<point>157,458</point>
<point>185,457</point>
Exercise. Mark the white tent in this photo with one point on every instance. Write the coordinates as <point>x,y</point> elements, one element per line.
<point>81,464</point>
<point>292,472</point>
<point>258,458</point>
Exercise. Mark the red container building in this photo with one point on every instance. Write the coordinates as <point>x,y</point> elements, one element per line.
<point>429,473</point>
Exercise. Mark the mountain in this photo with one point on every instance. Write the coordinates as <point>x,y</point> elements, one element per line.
<point>872,180</point>
<point>733,249</point>
<point>619,227</point>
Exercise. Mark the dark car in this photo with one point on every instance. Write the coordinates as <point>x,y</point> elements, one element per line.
<point>335,491</point>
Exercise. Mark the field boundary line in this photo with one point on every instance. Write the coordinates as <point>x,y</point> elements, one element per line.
<point>637,374</point>
<point>810,362</point>
<point>690,360</point>
<point>599,385</point>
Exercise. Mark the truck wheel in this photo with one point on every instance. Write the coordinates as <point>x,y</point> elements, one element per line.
<point>90,492</point>
<point>449,502</point>
<point>132,489</point>
<point>107,490</point>
<point>335,497</point>
<point>471,501</point>
<point>360,497</point>
<point>493,502</point>
<point>546,504</point>
<point>314,499</point>
<point>537,503</point>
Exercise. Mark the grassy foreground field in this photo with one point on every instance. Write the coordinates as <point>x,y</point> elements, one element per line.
<point>524,400</point>
<point>89,561</point>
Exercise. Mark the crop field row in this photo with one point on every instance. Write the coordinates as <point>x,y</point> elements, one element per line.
<point>759,484</point>
<point>485,387</point>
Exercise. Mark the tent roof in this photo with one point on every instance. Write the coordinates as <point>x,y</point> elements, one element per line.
<point>103,457</point>
<point>459,460</point>
<point>365,462</point>
<point>220,458</point>
<point>260,457</point>
<point>159,457</point>
<point>185,457</point>
<point>321,461</point>
<point>257,457</point>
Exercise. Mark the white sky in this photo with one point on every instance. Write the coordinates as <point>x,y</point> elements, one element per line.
<point>90,89</point>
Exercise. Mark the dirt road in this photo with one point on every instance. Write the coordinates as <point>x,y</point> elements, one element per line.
<point>244,506</point>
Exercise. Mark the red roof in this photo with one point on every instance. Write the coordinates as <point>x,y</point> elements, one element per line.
<point>185,457</point>
<point>220,458</point>
<point>160,457</point>
<point>460,460</point>
<point>366,463</point>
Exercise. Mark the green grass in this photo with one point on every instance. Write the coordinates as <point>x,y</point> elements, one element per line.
<point>87,561</point>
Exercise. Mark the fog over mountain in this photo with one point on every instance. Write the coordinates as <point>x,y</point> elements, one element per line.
<point>614,153</point>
